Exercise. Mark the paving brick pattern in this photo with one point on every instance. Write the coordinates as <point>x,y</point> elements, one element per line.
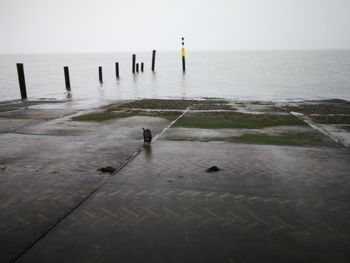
<point>48,166</point>
<point>266,204</point>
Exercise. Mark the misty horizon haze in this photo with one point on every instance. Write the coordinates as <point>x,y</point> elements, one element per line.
<point>107,26</point>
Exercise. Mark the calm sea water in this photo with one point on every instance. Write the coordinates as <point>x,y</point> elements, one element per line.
<point>263,75</point>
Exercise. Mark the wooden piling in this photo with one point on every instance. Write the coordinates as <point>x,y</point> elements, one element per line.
<point>21,80</point>
<point>137,67</point>
<point>142,65</point>
<point>100,74</point>
<point>133,63</point>
<point>183,64</point>
<point>153,60</point>
<point>183,55</point>
<point>66,77</point>
<point>117,70</point>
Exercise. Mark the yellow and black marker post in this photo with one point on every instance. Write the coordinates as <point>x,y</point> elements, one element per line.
<point>183,55</point>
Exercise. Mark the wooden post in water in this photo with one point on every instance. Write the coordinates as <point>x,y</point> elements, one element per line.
<point>21,80</point>
<point>153,60</point>
<point>142,67</point>
<point>133,63</point>
<point>66,77</point>
<point>100,74</point>
<point>183,55</point>
<point>137,67</point>
<point>117,70</point>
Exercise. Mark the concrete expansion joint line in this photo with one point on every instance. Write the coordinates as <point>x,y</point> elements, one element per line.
<point>316,127</point>
<point>69,212</point>
<point>171,124</point>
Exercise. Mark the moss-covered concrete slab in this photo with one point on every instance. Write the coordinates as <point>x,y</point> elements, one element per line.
<point>220,120</point>
<point>101,116</point>
<point>174,104</point>
<point>284,197</point>
<point>289,135</point>
<point>322,107</point>
<point>331,119</point>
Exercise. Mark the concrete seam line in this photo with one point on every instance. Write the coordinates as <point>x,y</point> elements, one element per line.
<point>70,211</point>
<point>315,127</point>
<point>171,124</point>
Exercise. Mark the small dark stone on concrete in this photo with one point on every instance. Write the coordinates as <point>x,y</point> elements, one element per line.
<point>170,181</point>
<point>213,169</point>
<point>107,169</point>
<point>3,168</point>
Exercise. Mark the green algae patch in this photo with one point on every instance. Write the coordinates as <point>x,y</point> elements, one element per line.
<point>288,139</point>
<point>331,119</point>
<point>174,104</point>
<point>212,105</point>
<point>227,120</point>
<point>346,127</point>
<point>322,107</point>
<point>109,115</point>
<point>101,116</point>
<point>157,104</point>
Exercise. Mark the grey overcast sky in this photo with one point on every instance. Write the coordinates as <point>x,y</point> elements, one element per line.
<point>36,26</point>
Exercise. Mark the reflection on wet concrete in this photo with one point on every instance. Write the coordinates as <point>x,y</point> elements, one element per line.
<point>54,162</point>
<point>117,82</point>
<point>135,85</point>
<point>69,95</point>
<point>183,85</point>
<point>148,151</point>
<point>101,91</point>
<point>266,204</point>
<point>154,85</point>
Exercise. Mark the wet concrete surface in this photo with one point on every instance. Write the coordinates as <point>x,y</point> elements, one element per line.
<point>339,132</point>
<point>266,204</point>
<point>208,133</point>
<point>48,164</point>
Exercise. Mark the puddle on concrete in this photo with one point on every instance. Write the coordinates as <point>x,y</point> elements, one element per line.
<point>291,139</point>
<point>74,104</point>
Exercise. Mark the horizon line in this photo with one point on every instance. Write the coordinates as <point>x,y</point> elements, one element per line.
<point>187,50</point>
